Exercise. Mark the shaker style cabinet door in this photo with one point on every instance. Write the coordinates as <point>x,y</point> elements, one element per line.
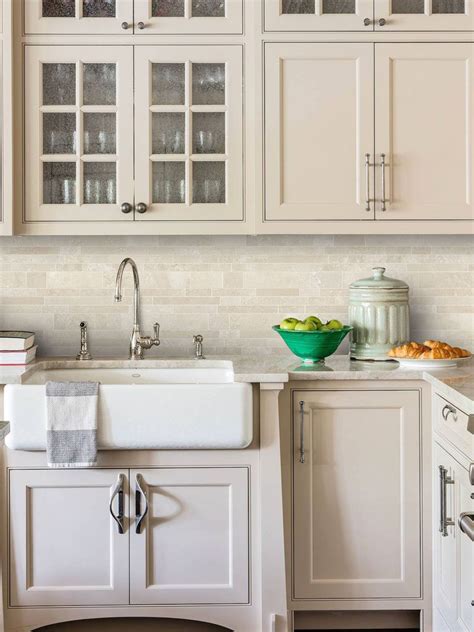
<point>65,548</point>
<point>319,132</point>
<point>424,15</point>
<point>175,17</point>
<point>356,495</point>
<point>86,17</point>
<point>319,15</point>
<point>78,133</point>
<point>424,95</point>
<point>191,545</point>
<point>188,133</point>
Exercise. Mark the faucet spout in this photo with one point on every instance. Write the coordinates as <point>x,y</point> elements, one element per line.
<point>136,351</point>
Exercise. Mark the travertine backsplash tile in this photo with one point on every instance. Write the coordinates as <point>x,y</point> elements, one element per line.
<point>230,289</point>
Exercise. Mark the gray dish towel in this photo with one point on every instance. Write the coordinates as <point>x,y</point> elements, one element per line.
<point>71,423</point>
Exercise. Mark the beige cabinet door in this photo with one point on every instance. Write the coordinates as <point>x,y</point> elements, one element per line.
<point>319,132</point>
<point>424,95</point>
<point>65,548</point>
<point>356,495</point>
<point>319,15</point>
<point>78,133</point>
<point>86,17</point>
<point>188,133</point>
<point>175,17</point>
<point>192,546</point>
<point>424,15</point>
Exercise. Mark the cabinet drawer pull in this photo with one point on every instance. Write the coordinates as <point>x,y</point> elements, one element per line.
<point>139,516</point>
<point>449,410</point>
<point>367,182</point>
<point>118,491</point>
<point>302,451</point>
<point>384,199</point>
<point>466,524</point>
<point>444,521</point>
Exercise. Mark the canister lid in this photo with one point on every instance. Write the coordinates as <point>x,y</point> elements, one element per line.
<point>380,281</point>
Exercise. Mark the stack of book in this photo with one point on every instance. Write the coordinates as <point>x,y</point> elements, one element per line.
<point>17,348</point>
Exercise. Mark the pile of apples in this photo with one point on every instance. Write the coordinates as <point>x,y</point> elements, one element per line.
<point>311,323</point>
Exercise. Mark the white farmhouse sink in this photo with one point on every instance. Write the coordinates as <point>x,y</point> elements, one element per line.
<point>180,407</point>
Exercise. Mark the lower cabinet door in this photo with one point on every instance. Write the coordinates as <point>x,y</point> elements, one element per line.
<point>356,477</point>
<point>192,545</point>
<point>464,554</point>
<point>65,547</point>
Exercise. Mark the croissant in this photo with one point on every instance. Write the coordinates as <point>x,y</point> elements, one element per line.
<point>408,350</point>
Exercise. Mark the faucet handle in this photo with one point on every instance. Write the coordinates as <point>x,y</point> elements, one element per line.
<point>156,332</point>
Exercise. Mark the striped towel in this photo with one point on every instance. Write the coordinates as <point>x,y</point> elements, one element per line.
<point>71,423</point>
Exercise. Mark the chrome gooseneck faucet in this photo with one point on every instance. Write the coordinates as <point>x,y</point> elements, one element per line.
<point>137,342</point>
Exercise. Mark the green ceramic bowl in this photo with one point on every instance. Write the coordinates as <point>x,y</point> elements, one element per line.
<point>312,346</point>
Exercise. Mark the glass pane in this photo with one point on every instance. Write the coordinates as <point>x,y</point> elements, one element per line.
<point>408,6</point>
<point>99,84</point>
<point>59,8</point>
<point>339,6</point>
<point>100,183</point>
<point>208,132</point>
<point>59,84</point>
<point>59,183</point>
<point>449,6</point>
<point>209,182</point>
<point>168,182</point>
<point>298,6</point>
<point>167,84</point>
<point>59,133</point>
<point>167,8</point>
<point>100,133</point>
<point>98,8</point>
<point>208,8</point>
<point>168,133</point>
<point>208,84</point>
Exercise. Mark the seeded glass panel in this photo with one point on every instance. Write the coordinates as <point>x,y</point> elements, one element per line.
<point>59,133</point>
<point>339,6</point>
<point>298,6</point>
<point>59,183</point>
<point>59,84</point>
<point>208,84</point>
<point>59,8</point>
<point>167,84</point>
<point>209,132</point>
<point>408,6</point>
<point>208,8</point>
<point>168,132</point>
<point>98,8</point>
<point>209,182</point>
<point>449,6</point>
<point>100,133</point>
<point>168,182</point>
<point>100,183</point>
<point>99,84</point>
<point>167,8</point>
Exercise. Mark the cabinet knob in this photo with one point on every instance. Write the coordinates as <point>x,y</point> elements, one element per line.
<point>367,22</point>
<point>125,25</point>
<point>126,208</point>
<point>141,25</point>
<point>141,207</point>
<point>382,22</point>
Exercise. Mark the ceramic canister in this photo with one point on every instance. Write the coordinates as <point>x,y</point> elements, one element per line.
<point>379,314</point>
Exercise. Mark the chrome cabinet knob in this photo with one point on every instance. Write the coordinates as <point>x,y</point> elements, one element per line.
<point>382,22</point>
<point>141,207</point>
<point>125,25</point>
<point>126,208</point>
<point>141,25</point>
<point>367,22</point>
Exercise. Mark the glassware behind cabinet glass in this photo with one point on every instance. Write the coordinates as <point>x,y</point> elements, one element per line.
<point>169,184</point>
<point>59,133</point>
<point>98,8</point>
<point>99,84</point>
<point>298,6</point>
<point>209,182</point>
<point>208,8</point>
<point>167,8</point>
<point>167,84</point>
<point>59,84</point>
<point>59,183</point>
<point>58,8</point>
<point>208,84</point>
<point>100,183</point>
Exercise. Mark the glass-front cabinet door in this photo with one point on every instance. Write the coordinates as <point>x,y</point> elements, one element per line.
<point>319,15</point>
<point>87,17</point>
<point>78,133</point>
<point>188,133</point>
<point>424,15</point>
<point>188,16</point>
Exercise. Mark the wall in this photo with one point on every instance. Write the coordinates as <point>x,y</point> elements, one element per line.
<point>230,289</point>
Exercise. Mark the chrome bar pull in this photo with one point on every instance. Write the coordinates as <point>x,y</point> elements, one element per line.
<point>118,491</point>
<point>444,521</point>
<point>139,492</point>
<point>466,524</point>
<point>302,451</point>
<point>384,200</point>
<point>449,410</point>
<point>367,182</point>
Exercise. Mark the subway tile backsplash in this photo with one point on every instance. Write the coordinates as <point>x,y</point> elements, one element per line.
<point>230,289</point>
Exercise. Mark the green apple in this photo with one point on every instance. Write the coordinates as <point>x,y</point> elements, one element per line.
<point>315,320</point>
<point>289,323</point>
<point>325,328</point>
<point>306,326</point>
<point>334,324</point>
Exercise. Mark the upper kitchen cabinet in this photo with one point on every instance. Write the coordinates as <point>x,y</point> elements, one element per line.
<point>319,15</point>
<point>86,17</point>
<point>78,133</point>
<point>424,15</point>
<point>188,133</point>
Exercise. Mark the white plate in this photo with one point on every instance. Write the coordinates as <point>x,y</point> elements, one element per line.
<point>416,363</point>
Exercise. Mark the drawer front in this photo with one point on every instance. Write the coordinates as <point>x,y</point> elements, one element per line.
<point>452,423</point>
